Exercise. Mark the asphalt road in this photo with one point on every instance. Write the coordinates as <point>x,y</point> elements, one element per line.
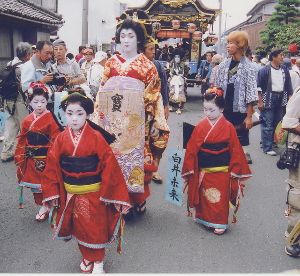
<point>164,240</point>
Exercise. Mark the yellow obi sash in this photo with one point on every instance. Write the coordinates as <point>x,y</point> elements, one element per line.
<point>216,169</point>
<point>82,189</point>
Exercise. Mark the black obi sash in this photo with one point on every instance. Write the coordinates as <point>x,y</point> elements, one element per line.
<point>85,164</point>
<point>37,139</point>
<point>214,155</point>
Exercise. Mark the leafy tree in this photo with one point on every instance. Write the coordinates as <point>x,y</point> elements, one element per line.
<point>282,27</point>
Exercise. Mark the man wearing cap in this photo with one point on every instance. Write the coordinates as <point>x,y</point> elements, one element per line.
<point>95,73</point>
<point>274,89</point>
<point>70,69</point>
<point>88,54</point>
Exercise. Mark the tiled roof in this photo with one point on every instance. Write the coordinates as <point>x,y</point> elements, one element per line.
<point>30,12</point>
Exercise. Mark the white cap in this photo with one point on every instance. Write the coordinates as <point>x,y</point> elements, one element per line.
<point>99,56</point>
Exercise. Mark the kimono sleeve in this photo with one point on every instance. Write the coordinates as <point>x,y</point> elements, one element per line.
<point>113,187</point>
<point>20,159</point>
<point>239,167</point>
<point>51,176</point>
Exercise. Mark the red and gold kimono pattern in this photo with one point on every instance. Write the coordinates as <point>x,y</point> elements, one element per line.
<point>143,69</point>
<point>92,217</point>
<point>37,136</point>
<point>210,190</point>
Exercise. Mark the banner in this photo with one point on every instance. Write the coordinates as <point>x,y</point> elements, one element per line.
<point>174,191</point>
<point>121,112</point>
<point>58,112</point>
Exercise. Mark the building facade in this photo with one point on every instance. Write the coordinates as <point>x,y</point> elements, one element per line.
<point>87,22</point>
<point>22,20</point>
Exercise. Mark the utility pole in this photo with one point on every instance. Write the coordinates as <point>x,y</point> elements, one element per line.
<point>220,25</point>
<point>85,22</point>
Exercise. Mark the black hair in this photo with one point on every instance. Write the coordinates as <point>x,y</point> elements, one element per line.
<point>38,91</point>
<point>81,48</point>
<point>275,53</point>
<point>77,95</point>
<point>40,44</point>
<point>248,52</point>
<point>137,27</point>
<point>69,55</point>
<point>218,100</point>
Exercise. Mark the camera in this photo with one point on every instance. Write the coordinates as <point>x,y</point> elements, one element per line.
<point>58,79</point>
<point>289,159</point>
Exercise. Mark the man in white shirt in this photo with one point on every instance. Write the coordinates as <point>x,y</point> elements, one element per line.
<point>70,69</point>
<point>274,89</point>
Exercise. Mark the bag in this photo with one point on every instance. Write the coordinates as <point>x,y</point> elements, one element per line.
<point>289,159</point>
<point>9,84</point>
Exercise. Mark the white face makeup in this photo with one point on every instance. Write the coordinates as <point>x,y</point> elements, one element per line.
<point>39,104</point>
<point>128,41</point>
<point>76,116</point>
<point>212,111</point>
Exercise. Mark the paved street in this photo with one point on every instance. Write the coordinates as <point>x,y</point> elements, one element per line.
<point>163,240</point>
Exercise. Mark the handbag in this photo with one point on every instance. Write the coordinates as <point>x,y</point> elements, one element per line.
<point>289,159</point>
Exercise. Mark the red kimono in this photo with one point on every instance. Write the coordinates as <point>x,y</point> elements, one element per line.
<point>84,174</point>
<point>143,69</point>
<point>37,135</point>
<point>214,164</point>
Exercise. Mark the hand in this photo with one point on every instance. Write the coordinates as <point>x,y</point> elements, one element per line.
<point>68,80</point>
<point>47,78</point>
<point>167,112</point>
<point>248,122</point>
<point>260,105</point>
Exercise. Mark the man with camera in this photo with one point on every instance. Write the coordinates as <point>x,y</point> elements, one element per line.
<point>67,68</point>
<point>39,66</point>
<point>291,122</point>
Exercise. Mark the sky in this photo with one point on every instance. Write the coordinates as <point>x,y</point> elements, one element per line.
<point>234,11</point>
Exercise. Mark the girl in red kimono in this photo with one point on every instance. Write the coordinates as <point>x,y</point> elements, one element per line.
<point>38,132</point>
<point>85,182</point>
<point>132,34</point>
<point>214,165</point>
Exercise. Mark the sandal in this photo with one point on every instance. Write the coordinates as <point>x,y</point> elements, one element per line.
<point>157,178</point>
<point>42,215</point>
<point>140,209</point>
<point>219,231</point>
<point>86,266</point>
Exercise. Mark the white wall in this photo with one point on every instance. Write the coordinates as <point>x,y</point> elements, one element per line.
<point>71,31</point>
<point>102,20</point>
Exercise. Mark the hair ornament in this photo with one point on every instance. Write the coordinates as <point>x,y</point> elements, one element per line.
<point>34,85</point>
<point>218,91</point>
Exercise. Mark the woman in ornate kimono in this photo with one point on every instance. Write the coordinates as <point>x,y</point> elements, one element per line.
<point>85,182</point>
<point>38,132</point>
<point>237,77</point>
<point>134,71</point>
<point>214,166</point>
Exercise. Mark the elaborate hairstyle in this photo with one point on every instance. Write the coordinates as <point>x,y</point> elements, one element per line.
<point>240,38</point>
<point>77,95</point>
<point>215,94</point>
<point>137,20</point>
<point>37,89</point>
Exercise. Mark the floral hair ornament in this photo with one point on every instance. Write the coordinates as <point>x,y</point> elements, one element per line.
<point>34,85</point>
<point>218,91</point>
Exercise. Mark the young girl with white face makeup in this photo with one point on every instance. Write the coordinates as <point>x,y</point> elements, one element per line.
<point>84,182</point>
<point>214,166</point>
<point>38,132</point>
